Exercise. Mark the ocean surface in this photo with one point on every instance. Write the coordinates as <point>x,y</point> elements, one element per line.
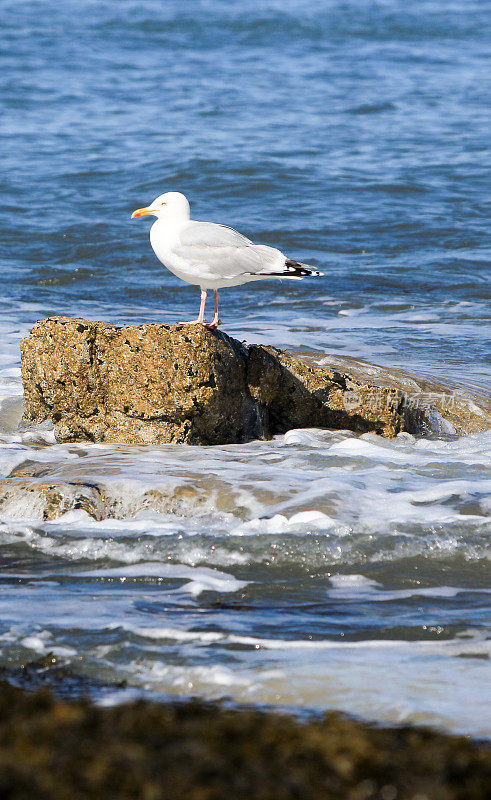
<point>322,569</point>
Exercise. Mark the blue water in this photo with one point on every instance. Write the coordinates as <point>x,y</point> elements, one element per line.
<point>354,136</point>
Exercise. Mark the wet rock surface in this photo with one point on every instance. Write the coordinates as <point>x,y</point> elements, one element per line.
<point>48,499</point>
<point>466,410</point>
<point>51,748</point>
<point>159,384</point>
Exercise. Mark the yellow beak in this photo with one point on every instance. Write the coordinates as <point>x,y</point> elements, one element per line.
<point>140,212</point>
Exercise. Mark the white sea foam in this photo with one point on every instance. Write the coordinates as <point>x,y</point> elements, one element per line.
<point>199,580</point>
<point>360,448</point>
<point>301,522</point>
<point>349,484</point>
<point>347,675</point>
<point>358,587</point>
<point>41,643</point>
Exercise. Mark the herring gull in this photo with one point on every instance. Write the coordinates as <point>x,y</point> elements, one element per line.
<point>210,255</point>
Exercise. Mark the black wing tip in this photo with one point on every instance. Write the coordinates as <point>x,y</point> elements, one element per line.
<point>299,270</point>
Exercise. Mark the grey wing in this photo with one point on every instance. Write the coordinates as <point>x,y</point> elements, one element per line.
<point>211,233</point>
<point>226,251</point>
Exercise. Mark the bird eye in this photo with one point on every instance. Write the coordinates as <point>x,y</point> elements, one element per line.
<point>163,204</point>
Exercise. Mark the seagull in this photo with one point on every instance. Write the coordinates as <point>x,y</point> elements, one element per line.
<point>210,255</point>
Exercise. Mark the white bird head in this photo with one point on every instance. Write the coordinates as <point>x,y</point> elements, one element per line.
<point>171,205</point>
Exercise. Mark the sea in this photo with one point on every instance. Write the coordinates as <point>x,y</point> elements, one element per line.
<point>322,569</point>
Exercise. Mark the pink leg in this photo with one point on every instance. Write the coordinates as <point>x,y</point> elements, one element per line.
<point>214,324</point>
<point>201,316</point>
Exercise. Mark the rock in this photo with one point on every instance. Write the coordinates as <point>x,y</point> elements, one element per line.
<point>141,385</point>
<point>466,411</point>
<point>23,498</point>
<point>52,749</point>
<point>39,497</point>
<point>296,394</point>
<point>156,384</point>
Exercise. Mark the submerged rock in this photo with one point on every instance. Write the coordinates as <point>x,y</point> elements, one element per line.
<point>42,497</point>
<point>158,384</point>
<point>23,498</point>
<point>50,748</point>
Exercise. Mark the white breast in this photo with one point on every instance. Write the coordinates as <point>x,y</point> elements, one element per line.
<point>163,237</point>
